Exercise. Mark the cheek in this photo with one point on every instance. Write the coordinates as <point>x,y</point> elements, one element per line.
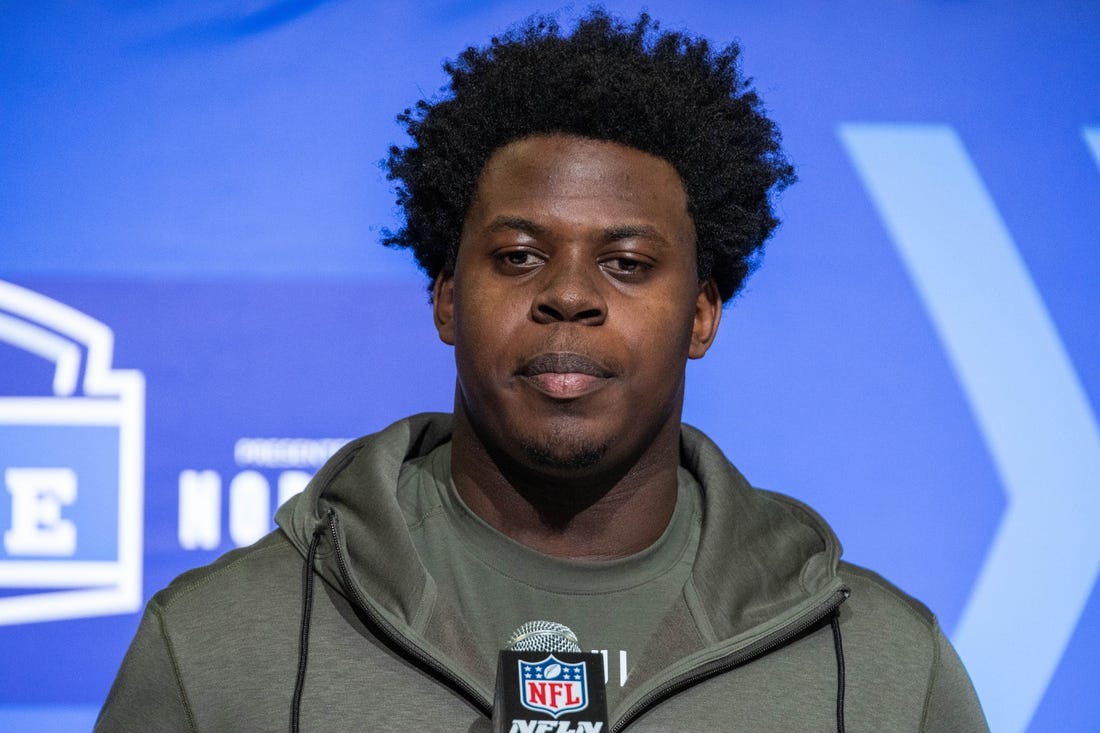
<point>485,358</point>
<point>486,322</point>
<point>658,349</point>
<point>667,328</point>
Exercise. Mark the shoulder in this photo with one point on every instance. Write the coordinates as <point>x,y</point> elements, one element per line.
<point>879,621</point>
<point>877,595</point>
<point>897,658</point>
<point>209,641</point>
<point>241,583</point>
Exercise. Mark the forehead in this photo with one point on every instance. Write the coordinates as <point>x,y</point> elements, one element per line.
<point>579,180</point>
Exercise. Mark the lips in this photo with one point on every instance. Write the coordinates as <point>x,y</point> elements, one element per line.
<point>564,375</point>
<point>563,363</point>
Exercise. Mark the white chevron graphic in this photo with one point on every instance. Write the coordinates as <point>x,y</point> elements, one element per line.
<point>1025,396</point>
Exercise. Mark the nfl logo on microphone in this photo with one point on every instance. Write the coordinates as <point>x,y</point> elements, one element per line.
<point>552,686</point>
<point>543,692</point>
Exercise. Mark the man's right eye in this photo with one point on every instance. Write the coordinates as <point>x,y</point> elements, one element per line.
<point>518,260</point>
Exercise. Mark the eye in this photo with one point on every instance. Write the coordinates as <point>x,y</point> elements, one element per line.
<point>517,261</point>
<point>629,268</point>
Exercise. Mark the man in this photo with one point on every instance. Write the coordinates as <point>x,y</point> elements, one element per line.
<point>584,205</point>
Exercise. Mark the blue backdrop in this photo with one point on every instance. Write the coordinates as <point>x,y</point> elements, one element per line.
<point>194,308</point>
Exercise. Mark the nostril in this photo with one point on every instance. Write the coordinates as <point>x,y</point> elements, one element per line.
<point>549,313</point>
<point>591,314</point>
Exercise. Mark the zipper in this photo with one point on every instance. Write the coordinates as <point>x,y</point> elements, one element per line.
<point>422,658</point>
<point>773,641</point>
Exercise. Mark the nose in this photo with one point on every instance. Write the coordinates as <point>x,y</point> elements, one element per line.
<point>570,294</point>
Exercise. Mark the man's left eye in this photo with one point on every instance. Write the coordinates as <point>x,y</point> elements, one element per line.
<point>626,265</point>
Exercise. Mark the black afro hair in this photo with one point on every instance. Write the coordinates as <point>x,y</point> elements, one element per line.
<point>661,92</point>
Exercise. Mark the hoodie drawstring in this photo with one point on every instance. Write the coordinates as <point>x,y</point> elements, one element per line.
<point>838,645</point>
<point>303,637</point>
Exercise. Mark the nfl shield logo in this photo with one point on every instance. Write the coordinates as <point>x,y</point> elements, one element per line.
<point>552,686</point>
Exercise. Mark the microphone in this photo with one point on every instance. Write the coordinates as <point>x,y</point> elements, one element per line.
<point>543,636</point>
<point>546,684</point>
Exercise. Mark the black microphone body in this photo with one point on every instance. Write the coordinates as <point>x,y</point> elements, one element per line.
<point>545,684</point>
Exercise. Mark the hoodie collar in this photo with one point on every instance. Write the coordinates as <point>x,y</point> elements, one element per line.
<point>762,557</point>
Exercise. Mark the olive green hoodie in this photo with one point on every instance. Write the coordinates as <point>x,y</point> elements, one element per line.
<point>771,633</point>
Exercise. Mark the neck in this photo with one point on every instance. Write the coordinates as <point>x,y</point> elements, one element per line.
<point>600,513</point>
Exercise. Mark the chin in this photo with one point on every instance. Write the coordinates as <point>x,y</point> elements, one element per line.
<point>564,447</point>
<point>563,457</point>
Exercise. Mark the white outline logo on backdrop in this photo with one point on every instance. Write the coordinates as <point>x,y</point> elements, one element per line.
<point>1024,394</point>
<point>44,551</point>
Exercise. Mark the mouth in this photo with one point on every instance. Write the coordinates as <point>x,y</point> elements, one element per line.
<point>564,375</point>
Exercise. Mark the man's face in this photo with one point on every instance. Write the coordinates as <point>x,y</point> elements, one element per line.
<point>575,304</point>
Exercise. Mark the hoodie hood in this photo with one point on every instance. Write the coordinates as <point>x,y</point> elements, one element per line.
<point>358,486</point>
<point>763,559</point>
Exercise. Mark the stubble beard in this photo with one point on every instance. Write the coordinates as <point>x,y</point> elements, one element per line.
<point>553,456</point>
<point>563,451</point>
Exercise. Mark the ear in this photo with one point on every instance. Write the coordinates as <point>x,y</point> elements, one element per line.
<point>443,306</point>
<point>708,312</point>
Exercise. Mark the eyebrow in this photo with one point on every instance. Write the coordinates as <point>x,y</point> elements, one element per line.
<point>611,234</point>
<point>502,223</point>
<point>634,231</point>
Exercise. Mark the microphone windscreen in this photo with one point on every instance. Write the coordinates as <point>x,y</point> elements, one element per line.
<point>543,636</point>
